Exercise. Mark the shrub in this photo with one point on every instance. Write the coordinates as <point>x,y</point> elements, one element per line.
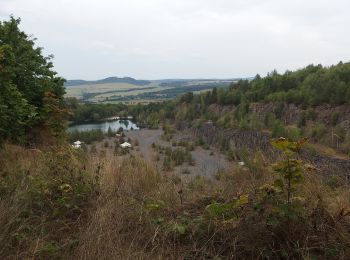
<point>110,133</point>
<point>294,133</point>
<point>200,141</point>
<point>175,157</point>
<point>334,118</point>
<point>48,194</point>
<point>187,144</point>
<point>278,129</point>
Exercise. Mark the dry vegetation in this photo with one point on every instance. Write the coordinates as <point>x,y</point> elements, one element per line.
<point>142,215</point>
<point>66,204</point>
<point>44,196</point>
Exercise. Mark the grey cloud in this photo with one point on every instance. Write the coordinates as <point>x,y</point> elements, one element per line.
<point>184,38</point>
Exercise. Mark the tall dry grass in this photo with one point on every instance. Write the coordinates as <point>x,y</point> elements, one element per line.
<point>65,204</point>
<point>119,228</point>
<point>141,214</point>
<point>43,199</point>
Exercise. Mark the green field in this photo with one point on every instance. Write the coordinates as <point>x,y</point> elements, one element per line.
<point>78,91</point>
<point>127,92</point>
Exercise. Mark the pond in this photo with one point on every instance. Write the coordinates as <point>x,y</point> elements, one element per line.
<point>114,125</point>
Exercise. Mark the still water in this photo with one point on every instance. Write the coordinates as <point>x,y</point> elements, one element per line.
<point>114,125</point>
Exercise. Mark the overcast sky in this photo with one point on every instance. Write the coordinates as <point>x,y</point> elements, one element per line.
<point>153,39</point>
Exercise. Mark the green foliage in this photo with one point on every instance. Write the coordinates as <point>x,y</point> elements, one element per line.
<point>174,157</point>
<point>311,86</point>
<point>318,132</point>
<point>225,210</point>
<point>152,114</point>
<point>187,144</point>
<point>83,113</point>
<point>168,129</point>
<point>243,124</point>
<point>334,118</point>
<point>15,111</point>
<point>200,141</point>
<point>110,133</point>
<point>85,136</point>
<point>179,228</point>
<point>223,143</point>
<point>279,110</point>
<point>31,95</point>
<point>278,129</point>
<point>290,169</point>
<point>155,205</point>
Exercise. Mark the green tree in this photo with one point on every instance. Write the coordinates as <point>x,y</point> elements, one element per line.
<point>110,132</point>
<point>31,94</point>
<point>214,96</point>
<point>15,112</point>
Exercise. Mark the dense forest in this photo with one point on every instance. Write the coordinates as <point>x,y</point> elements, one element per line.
<point>100,202</point>
<point>311,86</point>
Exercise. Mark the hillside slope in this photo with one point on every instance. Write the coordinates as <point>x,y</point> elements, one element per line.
<point>78,82</point>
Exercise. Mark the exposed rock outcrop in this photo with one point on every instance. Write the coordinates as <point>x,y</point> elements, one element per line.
<point>251,141</point>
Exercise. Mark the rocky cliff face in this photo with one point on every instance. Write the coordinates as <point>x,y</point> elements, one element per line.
<point>252,141</point>
<point>291,114</point>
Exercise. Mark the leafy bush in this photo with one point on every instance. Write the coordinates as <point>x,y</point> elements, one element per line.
<point>174,157</point>
<point>278,129</point>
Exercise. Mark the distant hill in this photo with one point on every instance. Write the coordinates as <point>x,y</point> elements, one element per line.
<point>79,82</point>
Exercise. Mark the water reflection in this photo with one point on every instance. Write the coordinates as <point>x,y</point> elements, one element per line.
<point>114,125</point>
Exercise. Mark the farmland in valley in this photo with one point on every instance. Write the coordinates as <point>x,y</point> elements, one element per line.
<point>113,90</point>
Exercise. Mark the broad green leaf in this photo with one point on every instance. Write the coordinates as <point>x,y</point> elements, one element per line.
<point>216,209</point>
<point>179,228</point>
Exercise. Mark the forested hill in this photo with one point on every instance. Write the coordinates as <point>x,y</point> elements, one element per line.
<point>312,85</point>
<point>129,80</point>
<point>312,102</point>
